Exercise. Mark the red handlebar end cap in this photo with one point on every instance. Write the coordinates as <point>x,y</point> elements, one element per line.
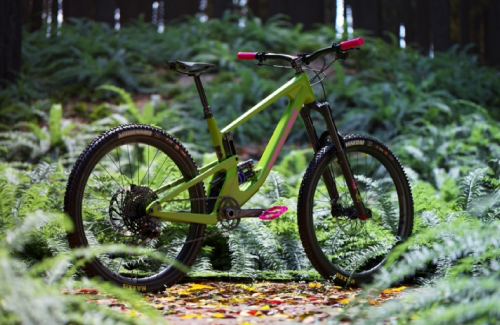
<point>352,43</point>
<point>246,55</point>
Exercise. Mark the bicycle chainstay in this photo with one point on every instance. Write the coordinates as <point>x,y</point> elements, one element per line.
<point>221,219</point>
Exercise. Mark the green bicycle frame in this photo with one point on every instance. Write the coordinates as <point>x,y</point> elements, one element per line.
<point>299,92</point>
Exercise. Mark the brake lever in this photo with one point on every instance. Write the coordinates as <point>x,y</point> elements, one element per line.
<point>342,55</point>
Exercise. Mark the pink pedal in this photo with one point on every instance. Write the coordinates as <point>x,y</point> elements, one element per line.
<point>273,212</point>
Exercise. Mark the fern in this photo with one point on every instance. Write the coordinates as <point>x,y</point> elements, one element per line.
<point>461,252</point>
<point>242,262</point>
<point>7,202</point>
<point>33,295</point>
<point>472,188</point>
<point>202,265</point>
<point>293,253</point>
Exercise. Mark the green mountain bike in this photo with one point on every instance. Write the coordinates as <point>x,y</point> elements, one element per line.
<point>139,186</point>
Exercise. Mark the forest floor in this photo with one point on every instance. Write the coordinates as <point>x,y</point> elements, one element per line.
<point>220,302</point>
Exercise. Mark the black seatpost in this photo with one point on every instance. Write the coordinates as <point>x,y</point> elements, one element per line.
<point>206,108</point>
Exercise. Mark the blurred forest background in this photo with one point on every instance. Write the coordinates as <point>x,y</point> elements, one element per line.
<point>428,25</point>
<point>426,83</point>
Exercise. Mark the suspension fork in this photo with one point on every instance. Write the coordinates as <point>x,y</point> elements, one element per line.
<point>337,140</point>
<point>328,176</point>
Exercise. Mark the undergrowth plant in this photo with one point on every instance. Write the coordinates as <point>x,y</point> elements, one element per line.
<point>24,192</point>
<point>440,115</point>
<point>44,292</point>
<point>461,248</point>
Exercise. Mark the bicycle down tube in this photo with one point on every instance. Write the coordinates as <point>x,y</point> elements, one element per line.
<point>299,92</point>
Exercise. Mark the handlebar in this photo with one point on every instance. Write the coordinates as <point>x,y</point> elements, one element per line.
<point>263,56</point>
<point>306,58</point>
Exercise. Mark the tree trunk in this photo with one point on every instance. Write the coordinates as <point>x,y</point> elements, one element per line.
<point>175,9</point>
<point>330,12</point>
<point>422,21</point>
<point>131,9</point>
<point>276,7</point>
<point>11,19</point>
<point>308,13</point>
<point>102,11</point>
<point>440,24</point>
<point>219,7</point>
<point>366,14</point>
<point>32,13</point>
<point>259,8</point>
<point>492,54</point>
<point>390,20</point>
<point>464,22</point>
<point>407,12</point>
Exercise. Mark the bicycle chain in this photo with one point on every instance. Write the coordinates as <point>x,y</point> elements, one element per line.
<point>204,237</point>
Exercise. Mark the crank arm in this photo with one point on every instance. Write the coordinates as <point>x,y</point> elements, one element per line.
<point>247,213</point>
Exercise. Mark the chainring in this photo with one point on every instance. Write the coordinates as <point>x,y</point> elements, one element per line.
<point>228,212</point>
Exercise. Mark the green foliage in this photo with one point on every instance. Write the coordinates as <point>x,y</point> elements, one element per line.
<point>440,115</point>
<point>25,192</point>
<point>462,249</point>
<point>387,92</point>
<point>256,245</point>
<point>33,295</point>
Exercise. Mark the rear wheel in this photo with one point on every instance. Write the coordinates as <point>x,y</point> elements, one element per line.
<point>341,246</point>
<point>109,188</point>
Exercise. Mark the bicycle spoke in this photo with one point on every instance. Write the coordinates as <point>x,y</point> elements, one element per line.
<point>98,232</point>
<point>161,168</point>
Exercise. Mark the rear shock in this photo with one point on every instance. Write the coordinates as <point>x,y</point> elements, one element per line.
<point>245,171</point>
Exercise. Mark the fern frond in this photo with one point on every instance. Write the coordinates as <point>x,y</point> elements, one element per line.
<point>202,264</point>
<point>34,198</point>
<point>127,98</point>
<point>472,187</point>
<point>55,119</point>
<point>293,253</point>
<point>42,172</point>
<point>7,202</point>
<point>242,262</point>
<point>441,304</point>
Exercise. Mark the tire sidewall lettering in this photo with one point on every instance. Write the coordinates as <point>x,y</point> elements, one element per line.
<point>131,133</point>
<point>350,143</point>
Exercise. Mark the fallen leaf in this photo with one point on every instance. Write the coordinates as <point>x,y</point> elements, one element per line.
<point>314,285</point>
<point>373,302</point>
<point>88,291</point>
<point>388,291</point>
<point>192,316</point>
<point>195,287</point>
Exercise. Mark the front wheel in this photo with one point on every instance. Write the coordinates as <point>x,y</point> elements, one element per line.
<point>108,190</point>
<point>338,243</point>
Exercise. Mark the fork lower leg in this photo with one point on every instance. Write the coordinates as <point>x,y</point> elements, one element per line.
<point>325,111</point>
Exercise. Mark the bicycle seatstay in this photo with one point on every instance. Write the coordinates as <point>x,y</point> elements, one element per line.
<point>299,92</point>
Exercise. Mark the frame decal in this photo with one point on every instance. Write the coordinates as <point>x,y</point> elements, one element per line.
<point>288,127</point>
